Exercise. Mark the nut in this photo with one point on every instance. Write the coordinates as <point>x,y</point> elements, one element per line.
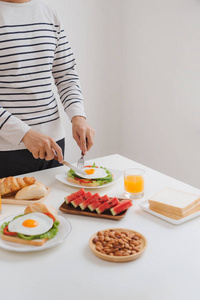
<point>117,243</point>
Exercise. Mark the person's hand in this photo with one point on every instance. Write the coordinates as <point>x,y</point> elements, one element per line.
<point>83,133</point>
<point>42,146</point>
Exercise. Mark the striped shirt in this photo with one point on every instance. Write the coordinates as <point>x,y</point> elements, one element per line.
<point>34,54</point>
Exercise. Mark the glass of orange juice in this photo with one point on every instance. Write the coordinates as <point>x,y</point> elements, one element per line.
<point>134,183</point>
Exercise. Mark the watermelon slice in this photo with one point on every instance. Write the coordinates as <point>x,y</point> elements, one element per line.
<point>73,196</point>
<point>98,202</point>
<point>87,202</point>
<point>107,205</point>
<point>123,205</point>
<point>80,199</point>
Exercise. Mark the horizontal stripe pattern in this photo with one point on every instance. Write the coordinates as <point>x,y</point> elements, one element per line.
<point>30,54</point>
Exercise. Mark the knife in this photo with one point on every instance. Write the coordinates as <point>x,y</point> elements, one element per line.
<point>73,168</point>
<point>70,166</point>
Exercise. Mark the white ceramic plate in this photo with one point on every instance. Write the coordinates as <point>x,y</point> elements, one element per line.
<point>64,230</point>
<point>116,176</point>
<point>145,206</point>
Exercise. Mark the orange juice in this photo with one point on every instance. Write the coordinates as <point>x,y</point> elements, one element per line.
<point>134,183</point>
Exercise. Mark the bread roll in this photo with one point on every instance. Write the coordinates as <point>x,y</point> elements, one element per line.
<point>10,185</point>
<point>34,191</point>
<point>41,207</point>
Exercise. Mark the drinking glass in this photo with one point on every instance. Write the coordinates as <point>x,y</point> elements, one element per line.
<point>134,183</point>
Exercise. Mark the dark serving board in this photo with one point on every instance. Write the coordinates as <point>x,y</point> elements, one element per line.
<point>70,209</point>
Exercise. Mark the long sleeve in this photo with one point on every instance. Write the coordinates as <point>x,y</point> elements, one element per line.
<point>66,78</point>
<point>12,129</point>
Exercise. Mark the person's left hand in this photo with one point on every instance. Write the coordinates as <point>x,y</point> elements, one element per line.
<point>83,133</point>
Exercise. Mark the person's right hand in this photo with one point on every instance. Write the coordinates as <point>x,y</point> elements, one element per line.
<point>42,146</point>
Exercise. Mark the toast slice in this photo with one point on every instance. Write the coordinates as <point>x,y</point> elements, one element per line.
<point>189,212</point>
<point>173,202</point>
<point>18,240</point>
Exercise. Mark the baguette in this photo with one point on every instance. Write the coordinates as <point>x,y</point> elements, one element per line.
<point>11,185</point>
<point>34,191</point>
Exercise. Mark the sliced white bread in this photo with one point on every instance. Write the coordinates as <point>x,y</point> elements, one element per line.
<point>18,240</point>
<point>41,207</point>
<point>189,212</point>
<point>173,201</point>
<point>70,179</point>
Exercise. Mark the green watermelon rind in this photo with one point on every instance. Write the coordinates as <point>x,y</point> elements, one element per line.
<point>123,205</point>
<point>73,196</point>
<point>104,207</point>
<point>76,204</point>
<point>85,203</point>
<point>93,206</point>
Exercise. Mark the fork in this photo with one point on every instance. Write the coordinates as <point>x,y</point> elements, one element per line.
<point>81,161</point>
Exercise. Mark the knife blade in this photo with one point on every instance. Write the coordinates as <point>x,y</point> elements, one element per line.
<point>73,168</point>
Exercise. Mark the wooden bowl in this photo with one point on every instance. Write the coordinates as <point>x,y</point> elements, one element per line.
<point>119,258</point>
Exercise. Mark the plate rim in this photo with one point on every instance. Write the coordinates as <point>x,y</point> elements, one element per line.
<point>30,248</point>
<point>91,187</point>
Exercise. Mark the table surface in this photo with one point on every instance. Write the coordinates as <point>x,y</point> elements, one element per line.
<point>168,269</point>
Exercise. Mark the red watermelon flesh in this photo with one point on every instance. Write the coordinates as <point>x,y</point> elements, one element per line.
<point>98,202</point>
<point>80,199</point>
<point>87,202</point>
<point>123,205</point>
<point>73,196</point>
<point>107,205</point>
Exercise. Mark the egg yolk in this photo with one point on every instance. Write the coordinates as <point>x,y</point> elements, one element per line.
<point>30,223</point>
<point>89,171</point>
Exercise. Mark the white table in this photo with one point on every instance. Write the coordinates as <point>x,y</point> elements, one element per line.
<point>169,268</point>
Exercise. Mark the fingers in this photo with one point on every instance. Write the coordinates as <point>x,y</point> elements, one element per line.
<point>90,138</point>
<point>83,134</point>
<point>42,146</point>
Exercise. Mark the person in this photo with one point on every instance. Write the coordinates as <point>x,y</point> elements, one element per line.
<point>34,50</point>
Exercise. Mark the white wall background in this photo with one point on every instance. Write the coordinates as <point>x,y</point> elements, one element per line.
<point>139,67</point>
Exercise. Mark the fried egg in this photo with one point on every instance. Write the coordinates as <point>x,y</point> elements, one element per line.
<point>31,224</point>
<point>93,173</point>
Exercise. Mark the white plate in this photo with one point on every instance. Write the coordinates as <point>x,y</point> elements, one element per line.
<point>64,230</point>
<point>145,206</point>
<point>116,176</point>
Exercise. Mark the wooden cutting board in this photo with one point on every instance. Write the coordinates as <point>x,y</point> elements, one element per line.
<point>12,200</point>
<point>70,209</point>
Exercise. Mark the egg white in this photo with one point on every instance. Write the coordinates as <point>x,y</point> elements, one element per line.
<point>98,173</point>
<point>44,224</point>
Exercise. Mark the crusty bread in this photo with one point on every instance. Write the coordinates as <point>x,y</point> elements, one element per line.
<point>11,185</point>
<point>34,191</point>
<point>18,240</point>
<point>41,207</point>
<point>70,179</point>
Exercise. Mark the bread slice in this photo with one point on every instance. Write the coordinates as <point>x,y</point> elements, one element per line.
<point>91,184</point>
<point>189,212</point>
<point>36,207</point>
<point>41,207</point>
<point>18,240</point>
<point>173,201</point>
